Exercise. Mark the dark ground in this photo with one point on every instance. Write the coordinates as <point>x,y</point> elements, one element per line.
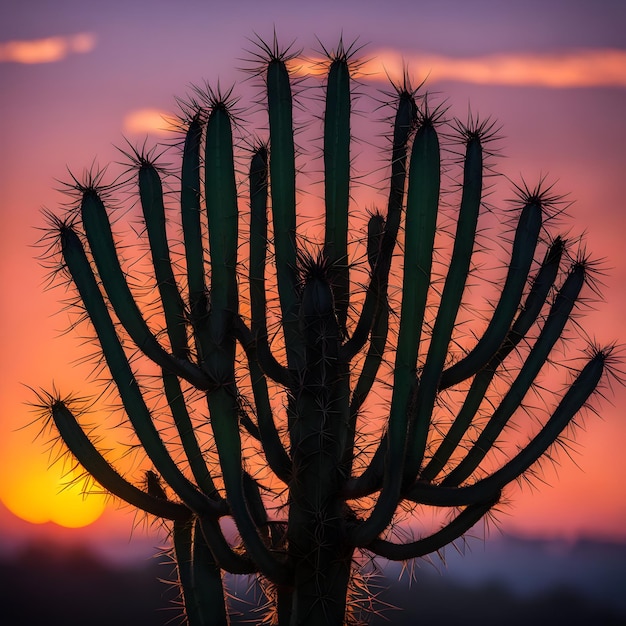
<point>43,585</point>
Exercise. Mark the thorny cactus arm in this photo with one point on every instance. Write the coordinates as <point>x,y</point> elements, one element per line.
<point>151,195</point>
<point>199,575</point>
<point>283,192</point>
<point>223,378</point>
<point>524,245</point>
<point>130,393</point>
<point>337,183</point>
<point>97,466</point>
<point>533,305</point>
<point>98,232</point>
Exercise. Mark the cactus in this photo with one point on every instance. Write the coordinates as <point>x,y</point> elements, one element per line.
<point>328,498</point>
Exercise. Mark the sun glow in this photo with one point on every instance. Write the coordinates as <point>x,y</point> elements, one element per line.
<point>39,492</point>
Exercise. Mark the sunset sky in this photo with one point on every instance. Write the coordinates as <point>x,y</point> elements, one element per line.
<point>77,77</point>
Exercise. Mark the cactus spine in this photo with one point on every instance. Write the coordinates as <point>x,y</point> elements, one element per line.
<point>334,347</point>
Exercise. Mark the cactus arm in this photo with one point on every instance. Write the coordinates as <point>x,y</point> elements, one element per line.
<point>97,466</point>
<point>449,305</point>
<point>570,404</point>
<point>228,559</point>
<point>256,507</point>
<point>178,408</point>
<point>248,424</point>
<point>98,232</point>
<point>380,256</point>
<point>258,259</point>
<point>371,364</point>
<point>151,196</point>
<point>200,577</point>
<point>372,477</point>
<point>121,373</point>
<point>221,199</point>
<point>275,452</point>
<point>207,583</point>
<point>524,244</point>
<point>460,525</point>
<point>221,203</point>
<point>337,181</point>
<point>258,242</point>
<point>378,338</point>
<point>367,378</point>
<point>258,352</point>
<point>421,221</point>
<point>277,457</point>
<point>550,333</point>
<point>223,410</point>
<point>182,543</point>
<point>190,219</point>
<point>404,123</point>
<point>533,305</point>
<point>283,192</point>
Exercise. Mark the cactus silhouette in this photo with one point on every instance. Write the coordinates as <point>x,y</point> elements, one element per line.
<point>279,356</point>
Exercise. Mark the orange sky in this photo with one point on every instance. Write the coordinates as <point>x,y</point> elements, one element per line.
<point>73,87</point>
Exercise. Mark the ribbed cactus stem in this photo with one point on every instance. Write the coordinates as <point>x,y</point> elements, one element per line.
<point>283,191</point>
<point>258,242</point>
<point>337,182</point>
<point>199,576</point>
<point>223,220</point>
<point>225,425</point>
<point>420,225</point>
<point>450,302</point>
<point>376,297</point>
<point>404,124</point>
<point>276,455</point>
<point>151,196</point>
<point>208,588</point>
<point>190,207</point>
<point>182,419</point>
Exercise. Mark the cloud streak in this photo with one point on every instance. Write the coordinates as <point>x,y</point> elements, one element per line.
<point>48,50</point>
<point>577,68</point>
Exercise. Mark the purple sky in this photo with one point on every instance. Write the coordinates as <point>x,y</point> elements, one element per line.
<point>136,56</point>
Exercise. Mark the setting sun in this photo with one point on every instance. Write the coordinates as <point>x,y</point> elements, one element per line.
<point>39,492</point>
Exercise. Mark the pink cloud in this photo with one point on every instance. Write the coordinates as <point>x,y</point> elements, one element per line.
<point>46,50</point>
<point>580,68</point>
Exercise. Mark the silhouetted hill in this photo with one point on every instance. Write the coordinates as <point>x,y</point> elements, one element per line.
<point>44,584</point>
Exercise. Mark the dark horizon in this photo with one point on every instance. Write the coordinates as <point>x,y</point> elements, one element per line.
<point>57,584</point>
